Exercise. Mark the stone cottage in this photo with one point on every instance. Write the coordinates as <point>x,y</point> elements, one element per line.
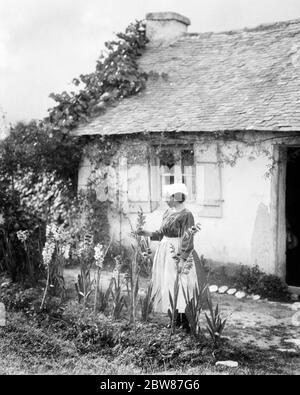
<point>224,110</point>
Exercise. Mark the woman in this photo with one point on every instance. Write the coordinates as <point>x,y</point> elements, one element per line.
<point>172,234</point>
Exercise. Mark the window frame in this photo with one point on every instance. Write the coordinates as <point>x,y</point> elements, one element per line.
<point>178,173</point>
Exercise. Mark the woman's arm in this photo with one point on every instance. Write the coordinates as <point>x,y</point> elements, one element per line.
<point>158,235</point>
<point>155,236</point>
<point>144,233</point>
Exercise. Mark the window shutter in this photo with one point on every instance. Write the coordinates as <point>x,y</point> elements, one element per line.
<point>84,173</point>
<point>135,185</point>
<point>122,183</point>
<point>155,183</point>
<point>208,180</point>
<point>103,180</point>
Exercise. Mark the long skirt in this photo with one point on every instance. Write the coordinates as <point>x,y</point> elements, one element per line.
<point>164,274</point>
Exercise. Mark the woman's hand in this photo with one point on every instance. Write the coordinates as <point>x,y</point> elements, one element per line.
<point>181,264</point>
<point>144,233</point>
<point>184,266</point>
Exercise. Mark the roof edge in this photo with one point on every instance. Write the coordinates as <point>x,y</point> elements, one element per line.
<point>259,28</point>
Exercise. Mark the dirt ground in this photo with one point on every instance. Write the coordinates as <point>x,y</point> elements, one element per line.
<point>264,324</point>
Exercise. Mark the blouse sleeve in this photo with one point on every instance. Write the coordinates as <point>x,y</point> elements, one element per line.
<point>158,235</point>
<point>187,243</point>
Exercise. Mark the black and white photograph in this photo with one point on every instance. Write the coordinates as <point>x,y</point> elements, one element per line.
<point>149,196</point>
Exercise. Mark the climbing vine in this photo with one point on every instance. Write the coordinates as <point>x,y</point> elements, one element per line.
<point>116,76</point>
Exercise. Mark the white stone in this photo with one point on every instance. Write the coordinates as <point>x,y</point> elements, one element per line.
<point>6,284</point>
<point>295,306</point>
<point>291,350</point>
<point>223,289</point>
<point>231,291</point>
<point>256,297</point>
<point>240,295</point>
<point>296,319</point>
<point>226,338</point>
<point>229,364</point>
<point>296,342</point>
<point>295,297</point>
<point>213,288</point>
<point>2,315</point>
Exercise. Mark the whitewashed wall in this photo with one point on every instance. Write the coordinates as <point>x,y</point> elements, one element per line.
<point>243,231</point>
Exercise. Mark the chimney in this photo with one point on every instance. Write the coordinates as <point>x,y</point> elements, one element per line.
<point>165,27</point>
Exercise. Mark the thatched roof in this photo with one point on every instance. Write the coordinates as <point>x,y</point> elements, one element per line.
<point>239,80</point>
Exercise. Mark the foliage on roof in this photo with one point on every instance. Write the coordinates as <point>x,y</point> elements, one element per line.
<point>116,76</point>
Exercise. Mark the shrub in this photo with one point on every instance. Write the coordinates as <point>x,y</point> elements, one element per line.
<point>17,298</point>
<point>253,281</point>
<point>117,250</point>
<point>20,257</point>
<point>33,147</point>
<point>89,333</point>
<point>29,197</point>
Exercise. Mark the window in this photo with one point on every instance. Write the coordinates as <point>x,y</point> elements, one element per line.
<point>141,181</point>
<point>195,165</point>
<point>176,166</point>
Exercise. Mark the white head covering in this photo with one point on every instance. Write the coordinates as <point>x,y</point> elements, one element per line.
<point>171,189</point>
<point>179,188</point>
<point>166,192</point>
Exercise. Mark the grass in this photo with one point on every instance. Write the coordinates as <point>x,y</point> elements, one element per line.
<point>26,348</point>
<point>31,347</point>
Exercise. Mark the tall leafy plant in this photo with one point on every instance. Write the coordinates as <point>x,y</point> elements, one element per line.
<point>100,254</point>
<point>118,300</point>
<point>215,323</point>
<point>141,261</point>
<point>143,249</point>
<point>173,298</point>
<point>115,288</point>
<point>55,253</point>
<point>194,306</point>
<point>84,285</point>
<point>147,303</point>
